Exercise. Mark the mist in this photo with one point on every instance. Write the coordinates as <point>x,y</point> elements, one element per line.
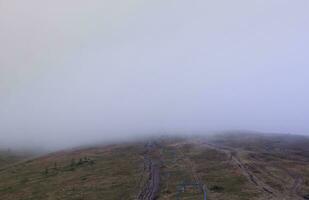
<point>76,72</point>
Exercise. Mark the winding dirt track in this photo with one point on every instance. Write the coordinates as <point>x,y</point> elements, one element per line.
<point>270,192</point>
<point>152,164</point>
<point>257,182</point>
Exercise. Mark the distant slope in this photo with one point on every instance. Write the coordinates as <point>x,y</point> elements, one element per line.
<point>8,157</point>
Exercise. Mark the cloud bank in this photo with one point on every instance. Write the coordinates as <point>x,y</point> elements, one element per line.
<point>79,71</point>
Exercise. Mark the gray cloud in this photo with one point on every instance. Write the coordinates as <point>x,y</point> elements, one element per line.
<point>74,72</point>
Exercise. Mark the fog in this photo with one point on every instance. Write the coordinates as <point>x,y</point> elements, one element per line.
<point>76,72</point>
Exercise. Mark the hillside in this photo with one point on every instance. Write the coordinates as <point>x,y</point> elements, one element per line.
<point>8,156</point>
<point>227,166</point>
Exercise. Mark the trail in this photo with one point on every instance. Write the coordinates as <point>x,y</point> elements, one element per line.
<point>152,163</point>
<point>265,188</point>
<point>270,192</point>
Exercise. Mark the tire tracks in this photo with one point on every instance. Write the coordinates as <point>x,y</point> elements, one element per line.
<point>268,190</point>
<point>152,164</point>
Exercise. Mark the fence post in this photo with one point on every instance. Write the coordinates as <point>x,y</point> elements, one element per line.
<point>205,193</point>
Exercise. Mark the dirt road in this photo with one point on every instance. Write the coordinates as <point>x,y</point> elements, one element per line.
<point>152,165</point>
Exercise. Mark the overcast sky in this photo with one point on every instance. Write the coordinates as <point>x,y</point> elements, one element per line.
<point>74,71</point>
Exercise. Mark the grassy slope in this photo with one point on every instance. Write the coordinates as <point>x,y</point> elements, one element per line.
<point>8,157</point>
<point>186,162</point>
<point>102,173</point>
<point>279,160</point>
<point>115,172</point>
